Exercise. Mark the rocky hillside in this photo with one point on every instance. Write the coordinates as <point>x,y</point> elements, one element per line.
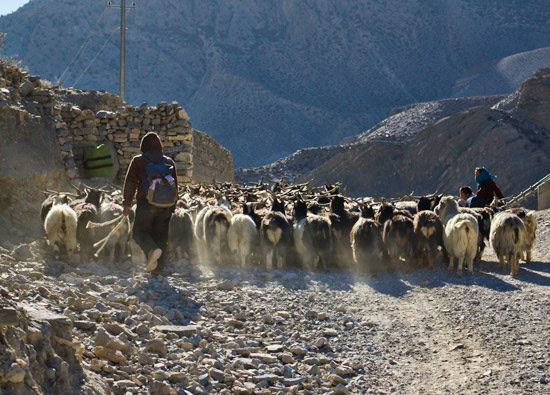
<point>268,78</point>
<point>405,122</point>
<point>503,75</point>
<point>402,124</point>
<point>289,168</point>
<point>510,138</point>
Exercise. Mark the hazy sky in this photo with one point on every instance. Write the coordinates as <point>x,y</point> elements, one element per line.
<point>8,6</point>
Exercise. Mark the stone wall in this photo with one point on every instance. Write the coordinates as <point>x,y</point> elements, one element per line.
<point>123,130</point>
<point>89,118</point>
<point>211,161</point>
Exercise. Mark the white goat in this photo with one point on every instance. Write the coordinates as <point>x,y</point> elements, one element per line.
<point>211,232</point>
<point>312,237</point>
<point>60,226</point>
<point>508,239</point>
<point>460,234</point>
<point>242,236</point>
<point>529,219</point>
<point>199,233</point>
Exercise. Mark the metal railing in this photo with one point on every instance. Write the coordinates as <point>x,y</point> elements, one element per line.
<point>528,192</point>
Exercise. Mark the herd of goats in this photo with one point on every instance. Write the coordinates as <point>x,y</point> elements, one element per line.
<point>315,227</point>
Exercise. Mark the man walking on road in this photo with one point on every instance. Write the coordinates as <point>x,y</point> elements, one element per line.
<point>153,176</point>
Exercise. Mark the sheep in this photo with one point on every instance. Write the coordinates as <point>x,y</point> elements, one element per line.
<point>116,242</point>
<point>384,213</point>
<point>398,236</point>
<point>483,216</point>
<point>423,204</point>
<point>222,208</point>
<point>248,209</point>
<point>47,204</point>
<point>387,211</point>
<point>86,210</point>
<point>215,223</point>
<point>60,227</point>
<point>427,202</point>
<point>180,234</point>
<point>223,202</point>
<point>199,233</point>
<point>117,235</point>
<point>342,222</point>
<point>409,206</point>
<point>428,231</point>
<point>109,210</point>
<point>460,234</point>
<point>242,237</point>
<point>366,242</point>
<point>312,237</point>
<point>529,219</point>
<point>91,196</point>
<point>508,239</point>
<point>85,213</point>
<point>276,235</point>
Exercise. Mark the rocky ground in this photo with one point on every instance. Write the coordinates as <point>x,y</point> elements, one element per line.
<point>197,329</point>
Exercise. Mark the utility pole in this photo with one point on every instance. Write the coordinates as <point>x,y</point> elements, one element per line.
<point>123,9</point>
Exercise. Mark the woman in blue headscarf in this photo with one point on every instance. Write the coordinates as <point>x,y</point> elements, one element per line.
<point>487,189</point>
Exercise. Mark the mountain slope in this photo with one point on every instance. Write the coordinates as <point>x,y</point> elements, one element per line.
<point>404,123</point>
<point>267,78</point>
<point>511,139</point>
<point>502,76</point>
<point>401,125</point>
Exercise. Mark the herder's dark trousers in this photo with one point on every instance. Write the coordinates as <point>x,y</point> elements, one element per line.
<point>150,229</point>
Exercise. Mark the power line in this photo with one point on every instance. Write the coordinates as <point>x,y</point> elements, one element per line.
<point>86,42</point>
<point>95,57</point>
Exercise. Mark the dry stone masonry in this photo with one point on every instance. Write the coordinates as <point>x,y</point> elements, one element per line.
<point>123,129</point>
<point>89,118</point>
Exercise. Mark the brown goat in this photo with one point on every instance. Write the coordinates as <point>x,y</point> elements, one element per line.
<point>342,222</point>
<point>428,232</point>
<point>366,242</point>
<point>399,239</point>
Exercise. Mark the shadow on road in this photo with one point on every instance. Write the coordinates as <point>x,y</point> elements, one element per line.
<point>388,284</point>
<point>533,277</point>
<point>537,266</point>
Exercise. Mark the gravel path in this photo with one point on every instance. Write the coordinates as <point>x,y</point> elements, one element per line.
<point>289,332</point>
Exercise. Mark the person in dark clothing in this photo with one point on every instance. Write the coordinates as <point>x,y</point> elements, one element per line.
<point>487,188</point>
<point>466,195</point>
<point>151,224</point>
